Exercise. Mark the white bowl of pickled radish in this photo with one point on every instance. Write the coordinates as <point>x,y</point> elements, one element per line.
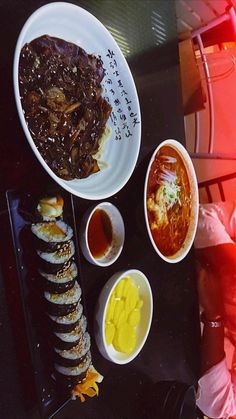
<point>123,316</point>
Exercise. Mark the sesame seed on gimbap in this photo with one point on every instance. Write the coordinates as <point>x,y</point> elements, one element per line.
<point>58,273</point>
<point>68,340</point>
<point>53,268</point>
<point>62,255</point>
<point>62,304</point>
<point>65,324</point>
<point>73,357</point>
<point>73,375</point>
<point>60,282</point>
<point>52,232</point>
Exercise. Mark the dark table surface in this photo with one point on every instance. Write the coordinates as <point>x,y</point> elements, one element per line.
<point>172,348</point>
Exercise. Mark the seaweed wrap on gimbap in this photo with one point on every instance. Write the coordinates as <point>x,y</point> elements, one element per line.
<point>72,357</point>
<point>48,235</point>
<point>60,282</point>
<point>61,255</point>
<point>74,375</point>
<point>70,339</point>
<point>58,273</point>
<point>64,324</point>
<point>59,260</point>
<point>63,304</point>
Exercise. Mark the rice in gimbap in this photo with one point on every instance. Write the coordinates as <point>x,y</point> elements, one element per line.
<point>62,281</point>
<point>74,375</point>
<point>76,332</point>
<point>72,357</point>
<point>53,268</point>
<point>63,254</point>
<point>52,232</point>
<point>63,304</point>
<point>68,340</point>
<point>65,324</point>
<point>62,293</point>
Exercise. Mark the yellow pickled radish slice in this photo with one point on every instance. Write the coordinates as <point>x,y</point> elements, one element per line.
<point>109,332</point>
<point>125,339</point>
<point>122,319</point>
<point>51,228</point>
<point>134,318</point>
<point>110,308</point>
<point>139,304</point>
<point>127,283</point>
<point>131,298</point>
<point>119,307</point>
<point>119,288</point>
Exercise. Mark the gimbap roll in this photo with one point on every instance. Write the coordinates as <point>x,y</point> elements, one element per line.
<point>73,357</point>
<point>61,255</point>
<point>65,324</point>
<point>56,261</point>
<point>48,236</point>
<point>73,375</point>
<point>70,339</point>
<point>58,272</point>
<point>63,304</point>
<point>60,282</point>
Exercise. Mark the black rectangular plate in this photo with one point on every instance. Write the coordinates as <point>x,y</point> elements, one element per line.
<point>21,208</point>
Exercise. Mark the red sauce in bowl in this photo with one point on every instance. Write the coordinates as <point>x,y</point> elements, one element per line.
<point>99,233</point>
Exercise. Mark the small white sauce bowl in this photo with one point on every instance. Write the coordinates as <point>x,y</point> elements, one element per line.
<point>145,293</point>
<point>118,234</point>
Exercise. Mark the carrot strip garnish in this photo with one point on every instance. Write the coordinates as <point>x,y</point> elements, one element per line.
<point>88,386</point>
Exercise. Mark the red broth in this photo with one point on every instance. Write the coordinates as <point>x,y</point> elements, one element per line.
<point>99,233</point>
<point>169,236</point>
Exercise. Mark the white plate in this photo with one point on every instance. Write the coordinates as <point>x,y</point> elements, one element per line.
<point>74,24</point>
<point>118,234</point>
<point>186,246</point>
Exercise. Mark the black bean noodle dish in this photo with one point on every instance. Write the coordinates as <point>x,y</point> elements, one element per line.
<point>61,96</point>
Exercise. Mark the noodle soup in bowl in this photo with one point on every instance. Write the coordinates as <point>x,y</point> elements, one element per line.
<point>171,201</point>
